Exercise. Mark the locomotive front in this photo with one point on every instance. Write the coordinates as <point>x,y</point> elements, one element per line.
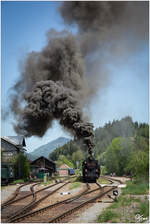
<point>90,170</point>
<point>90,167</point>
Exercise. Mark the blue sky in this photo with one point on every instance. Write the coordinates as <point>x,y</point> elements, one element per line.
<point>24,25</point>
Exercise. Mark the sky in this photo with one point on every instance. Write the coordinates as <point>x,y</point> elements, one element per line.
<point>24,25</point>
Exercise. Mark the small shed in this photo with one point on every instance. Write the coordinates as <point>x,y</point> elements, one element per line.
<point>63,170</point>
<point>42,162</point>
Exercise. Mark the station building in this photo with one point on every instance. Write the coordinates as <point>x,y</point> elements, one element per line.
<point>11,146</point>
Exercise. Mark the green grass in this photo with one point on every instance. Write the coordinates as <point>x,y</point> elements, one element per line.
<point>128,202</point>
<point>136,188</point>
<point>125,200</point>
<point>75,185</point>
<point>18,181</point>
<point>114,213</point>
<point>144,208</point>
<point>47,183</point>
<point>107,215</point>
<point>103,181</point>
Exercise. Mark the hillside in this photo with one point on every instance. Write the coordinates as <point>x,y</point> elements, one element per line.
<point>124,128</point>
<point>46,149</point>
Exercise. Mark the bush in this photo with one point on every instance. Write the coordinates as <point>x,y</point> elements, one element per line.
<point>22,167</point>
<point>139,187</point>
<point>144,208</point>
<point>103,170</point>
<point>18,181</point>
<point>139,164</point>
<point>107,215</point>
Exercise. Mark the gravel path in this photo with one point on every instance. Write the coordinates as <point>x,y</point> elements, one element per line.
<point>91,214</point>
<point>7,191</point>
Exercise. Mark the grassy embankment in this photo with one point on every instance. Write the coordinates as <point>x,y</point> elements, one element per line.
<point>131,202</point>
<point>75,185</point>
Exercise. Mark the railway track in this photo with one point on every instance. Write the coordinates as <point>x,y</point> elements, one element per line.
<point>12,208</point>
<point>28,195</point>
<point>65,207</point>
<point>15,194</point>
<point>112,180</point>
<point>17,191</point>
<point>78,205</point>
<point>26,203</point>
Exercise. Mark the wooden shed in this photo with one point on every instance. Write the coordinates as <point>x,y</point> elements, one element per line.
<point>42,162</point>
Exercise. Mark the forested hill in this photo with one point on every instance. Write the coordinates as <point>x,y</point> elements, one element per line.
<point>118,128</point>
<point>46,149</point>
<point>125,135</point>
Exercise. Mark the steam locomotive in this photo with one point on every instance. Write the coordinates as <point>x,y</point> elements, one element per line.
<point>90,170</point>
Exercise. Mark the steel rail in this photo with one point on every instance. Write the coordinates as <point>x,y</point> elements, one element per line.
<point>45,208</point>
<point>32,205</point>
<point>23,197</point>
<point>26,206</point>
<point>56,204</point>
<point>11,201</point>
<point>61,202</point>
<point>112,179</point>
<point>70,211</point>
<point>79,195</point>
<point>15,194</point>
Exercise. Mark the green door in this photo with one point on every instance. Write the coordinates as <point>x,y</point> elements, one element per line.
<point>4,173</point>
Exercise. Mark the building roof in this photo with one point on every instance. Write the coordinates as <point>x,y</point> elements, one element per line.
<point>42,157</point>
<point>64,166</point>
<point>18,141</point>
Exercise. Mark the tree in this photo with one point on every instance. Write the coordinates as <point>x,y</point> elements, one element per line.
<point>63,160</point>
<point>117,154</point>
<point>138,163</point>
<point>21,166</point>
<point>77,156</point>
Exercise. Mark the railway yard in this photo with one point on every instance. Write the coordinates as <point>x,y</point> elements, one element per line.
<point>56,202</point>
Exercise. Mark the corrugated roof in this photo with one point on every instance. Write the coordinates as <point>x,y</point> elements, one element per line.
<point>15,140</point>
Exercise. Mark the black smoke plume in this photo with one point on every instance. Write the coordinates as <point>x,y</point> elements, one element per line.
<point>53,87</point>
<point>58,82</point>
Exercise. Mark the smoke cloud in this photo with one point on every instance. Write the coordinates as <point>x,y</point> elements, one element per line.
<point>58,82</point>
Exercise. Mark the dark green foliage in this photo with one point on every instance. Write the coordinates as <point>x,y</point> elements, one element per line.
<point>66,150</point>
<point>120,146</point>
<point>144,208</point>
<point>63,160</point>
<point>139,186</point>
<point>104,136</point>
<point>116,157</point>
<point>21,166</point>
<point>138,163</point>
<point>71,151</point>
<point>143,130</point>
<point>106,216</point>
